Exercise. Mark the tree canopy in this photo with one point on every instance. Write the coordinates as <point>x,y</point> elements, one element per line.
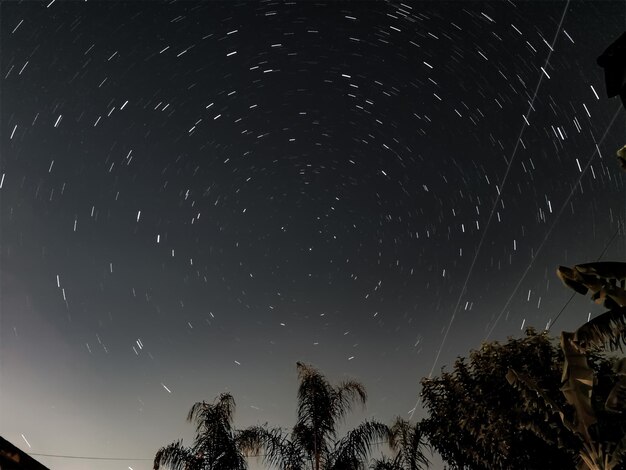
<point>478,420</point>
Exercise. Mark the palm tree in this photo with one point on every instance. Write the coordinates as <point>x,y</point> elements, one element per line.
<point>214,445</point>
<point>408,443</point>
<point>312,443</point>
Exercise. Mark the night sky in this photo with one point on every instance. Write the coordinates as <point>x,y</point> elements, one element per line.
<point>194,196</point>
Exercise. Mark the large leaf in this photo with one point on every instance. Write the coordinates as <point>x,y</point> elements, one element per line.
<point>610,297</point>
<point>603,269</point>
<point>621,157</point>
<point>616,400</point>
<point>572,279</point>
<point>577,383</point>
<point>606,330</point>
<point>601,278</point>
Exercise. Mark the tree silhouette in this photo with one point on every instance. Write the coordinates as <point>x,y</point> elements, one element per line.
<point>478,420</point>
<point>214,446</point>
<point>407,441</point>
<point>605,281</point>
<point>312,443</point>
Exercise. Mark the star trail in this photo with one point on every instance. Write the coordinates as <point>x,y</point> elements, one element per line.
<point>196,195</point>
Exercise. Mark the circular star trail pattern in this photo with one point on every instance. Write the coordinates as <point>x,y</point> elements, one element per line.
<point>197,195</point>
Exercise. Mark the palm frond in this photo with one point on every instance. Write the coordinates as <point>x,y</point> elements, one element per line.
<point>229,460</point>
<point>399,434</point>
<point>315,417</point>
<point>416,457</point>
<point>386,464</point>
<point>176,457</point>
<point>305,370</point>
<point>213,418</point>
<point>314,393</point>
<point>356,445</point>
<point>608,329</point>
<point>345,395</point>
<point>219,450</point>
<point>196,411</point>
<point>303,436</point>
<point>251,440</point>
<point>278,450</point>
<point>407,440</point>
<point>226,406</point>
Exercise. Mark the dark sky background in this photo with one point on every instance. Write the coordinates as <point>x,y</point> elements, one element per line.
<point>194,196</point>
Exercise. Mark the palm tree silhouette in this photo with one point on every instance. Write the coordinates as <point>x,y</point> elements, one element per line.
<point>408,443</point>
<point>214,445</point>
<point>312,443</point>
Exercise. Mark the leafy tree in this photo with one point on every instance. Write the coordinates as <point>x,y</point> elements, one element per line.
<point>214,447</point>
<point>478,420</point>
<point>312,443</point>
<point>605,282</point>
<point>407,441</point>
